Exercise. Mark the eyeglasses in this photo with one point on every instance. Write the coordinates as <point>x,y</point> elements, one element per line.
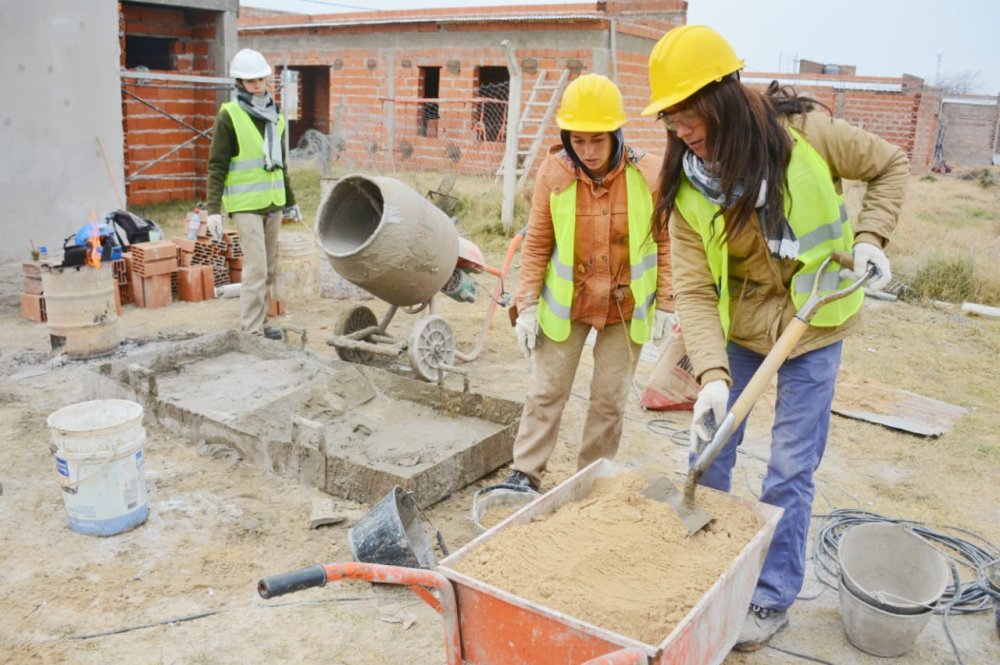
<point>687,117</point>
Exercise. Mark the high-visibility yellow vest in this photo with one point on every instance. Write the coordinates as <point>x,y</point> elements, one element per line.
<point>816,213</point>
<point>556,301</point>
<point>248,185</point>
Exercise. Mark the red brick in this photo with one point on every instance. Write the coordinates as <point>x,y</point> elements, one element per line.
<point>33,307</point>
<point>155,291</point>
<point>189,284</point>
<point>207,282</point>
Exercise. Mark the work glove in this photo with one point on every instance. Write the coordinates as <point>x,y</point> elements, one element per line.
<point>526,329</point>
<point>293,212</point>
<point>215,226</point>
<point>713,399</point>
<point>867,254</point>
<point>662,322</point>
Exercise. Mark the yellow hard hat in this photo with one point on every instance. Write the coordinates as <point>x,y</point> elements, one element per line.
<point>684,61</point>
<point>591,103</point>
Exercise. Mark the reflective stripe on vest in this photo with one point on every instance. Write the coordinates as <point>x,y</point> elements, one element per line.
<point>556,302</point>
<point>248,185</point>
<point>817,214</point>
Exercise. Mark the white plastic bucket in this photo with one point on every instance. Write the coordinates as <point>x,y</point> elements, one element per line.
<point>98,448</point>
<point>297,271</point>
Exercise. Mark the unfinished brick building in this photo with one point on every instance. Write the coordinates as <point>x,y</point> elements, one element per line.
<point>173,60</point>
<point>429,89</point>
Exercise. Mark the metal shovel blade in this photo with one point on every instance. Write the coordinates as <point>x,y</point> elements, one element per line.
<point>664,491</point>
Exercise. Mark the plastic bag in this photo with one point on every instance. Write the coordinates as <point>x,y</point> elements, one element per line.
<point>671,386</point>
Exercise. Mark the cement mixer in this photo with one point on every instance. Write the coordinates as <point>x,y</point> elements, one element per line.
<point>384,237</point>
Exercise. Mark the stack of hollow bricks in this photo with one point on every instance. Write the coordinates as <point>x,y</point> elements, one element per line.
<point>32,298</point>
<point>152,265</point>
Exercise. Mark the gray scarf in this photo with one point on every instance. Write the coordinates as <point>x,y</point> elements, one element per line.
<point>783,242</point>
<point>262,106</point>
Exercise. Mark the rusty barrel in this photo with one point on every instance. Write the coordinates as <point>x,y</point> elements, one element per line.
<point>82,316</point>
<point>381,235</point>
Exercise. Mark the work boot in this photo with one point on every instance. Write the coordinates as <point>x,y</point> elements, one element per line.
<point>273,333</point>
<point>520,479</point>
<point>759,627</point>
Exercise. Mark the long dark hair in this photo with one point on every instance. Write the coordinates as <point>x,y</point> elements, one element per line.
<point>745,141</point>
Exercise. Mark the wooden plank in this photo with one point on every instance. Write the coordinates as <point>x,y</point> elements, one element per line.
<point>896,409</point>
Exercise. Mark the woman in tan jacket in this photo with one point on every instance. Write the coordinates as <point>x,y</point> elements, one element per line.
<point>591,260</point>
<point>751,189</point>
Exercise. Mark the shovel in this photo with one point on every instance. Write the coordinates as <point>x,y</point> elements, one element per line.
<point>695,518</point>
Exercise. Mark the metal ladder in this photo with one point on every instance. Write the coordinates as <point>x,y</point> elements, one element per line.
<point>545,96</point>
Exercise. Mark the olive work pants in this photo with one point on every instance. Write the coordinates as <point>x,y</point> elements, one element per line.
<point>259,240</point>
<point>555,365</point>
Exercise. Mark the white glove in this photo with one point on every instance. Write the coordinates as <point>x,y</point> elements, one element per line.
<point>662,321</point>
<point>293,213</point>
<point>526,329</point>
<point>215,226</point>
<point>866,254</point>
<point>713,399</point>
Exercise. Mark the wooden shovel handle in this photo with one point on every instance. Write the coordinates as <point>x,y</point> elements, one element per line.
<point>768,368</point>
<point>845,259</point>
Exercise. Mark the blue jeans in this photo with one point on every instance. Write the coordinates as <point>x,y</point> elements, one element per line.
<point>798,439</point>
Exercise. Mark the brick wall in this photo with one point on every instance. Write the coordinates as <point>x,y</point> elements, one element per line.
<point>900,110</point>
<point>149,133</point>
<point>970,137</point>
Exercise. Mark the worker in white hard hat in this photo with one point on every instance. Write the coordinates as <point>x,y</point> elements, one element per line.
<point>751,192</point>
<point>591,261</point>
<point>248,174</point>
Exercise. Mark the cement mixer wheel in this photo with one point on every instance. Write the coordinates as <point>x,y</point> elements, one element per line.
<point>432,344</point>
<point>355,319</point>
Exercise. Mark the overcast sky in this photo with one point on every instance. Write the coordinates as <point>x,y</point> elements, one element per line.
<point>931,39</point>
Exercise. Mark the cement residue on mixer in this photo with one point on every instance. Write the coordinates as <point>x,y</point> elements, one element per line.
<point>616,559</point>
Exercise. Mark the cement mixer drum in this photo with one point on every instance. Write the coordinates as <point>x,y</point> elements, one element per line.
<point>382,236</point>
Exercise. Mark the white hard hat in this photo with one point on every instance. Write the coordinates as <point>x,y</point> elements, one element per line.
<point>249,64</point>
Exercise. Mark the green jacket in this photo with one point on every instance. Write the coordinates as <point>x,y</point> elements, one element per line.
<point>761,303</point>
<point>224,148</point>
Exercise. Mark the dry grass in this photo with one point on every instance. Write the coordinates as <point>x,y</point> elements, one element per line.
<point>947,243</point>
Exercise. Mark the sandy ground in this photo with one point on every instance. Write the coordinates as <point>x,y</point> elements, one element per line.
<point>182,587</point>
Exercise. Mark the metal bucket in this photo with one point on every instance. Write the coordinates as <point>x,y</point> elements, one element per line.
<point>384,237</point>
<point>892,568</point>
<point>492,505</point>
<point>876,631</point>
<point>992,587</point>
<point>82,317</point>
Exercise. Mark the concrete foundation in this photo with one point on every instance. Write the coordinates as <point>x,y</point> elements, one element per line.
<point>349,430</point>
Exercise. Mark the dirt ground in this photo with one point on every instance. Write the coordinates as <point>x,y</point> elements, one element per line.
<point>182,587</point>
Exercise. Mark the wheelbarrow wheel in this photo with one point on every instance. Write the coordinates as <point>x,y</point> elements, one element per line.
<point>355,319</point>
<point>432,344</point>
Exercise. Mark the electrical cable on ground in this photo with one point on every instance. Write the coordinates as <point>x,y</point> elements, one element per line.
<point>202,615</point>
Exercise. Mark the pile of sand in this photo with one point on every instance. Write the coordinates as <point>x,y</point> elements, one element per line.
<point>616,559</point>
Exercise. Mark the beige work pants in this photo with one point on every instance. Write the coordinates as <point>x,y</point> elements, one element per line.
<point>259,240</point>
<point>555,365</point>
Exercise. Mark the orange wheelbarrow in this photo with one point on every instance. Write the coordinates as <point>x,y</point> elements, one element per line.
<point>484,624</point>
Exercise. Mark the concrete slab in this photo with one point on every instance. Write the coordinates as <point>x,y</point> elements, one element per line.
<point>350,430</point>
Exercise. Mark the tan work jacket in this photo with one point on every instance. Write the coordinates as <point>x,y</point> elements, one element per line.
<point>602,273</point>
<point>761,306</point>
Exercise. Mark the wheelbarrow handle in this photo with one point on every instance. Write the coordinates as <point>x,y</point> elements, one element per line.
<point>296,580</point>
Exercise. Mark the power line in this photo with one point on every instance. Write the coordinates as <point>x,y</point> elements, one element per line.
<point>341,5</point>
